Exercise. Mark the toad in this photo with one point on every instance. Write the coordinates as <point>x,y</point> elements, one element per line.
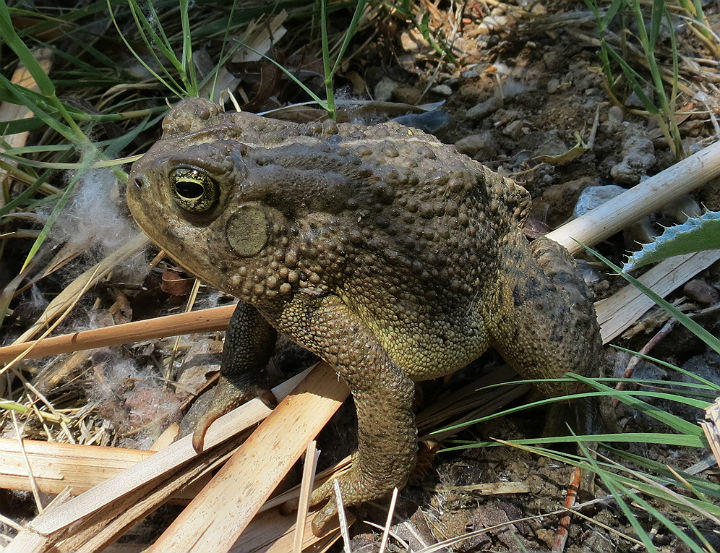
<point>383,251</point>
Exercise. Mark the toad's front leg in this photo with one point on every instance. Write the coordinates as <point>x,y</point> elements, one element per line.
<point>249,342</point>
<point>383,394</point>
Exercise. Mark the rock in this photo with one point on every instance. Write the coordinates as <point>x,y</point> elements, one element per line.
<point>638,157</point>
<point>550,144</point>
<point>481,147</point>
<point>495,22</point>
<point>442,89</point>
<point>384,89</point>
<point>552,85</point>
<point>701,292</point>
<point>633,101</point>
<point>407,94</point>
<point>553,61</point>
<point>515,129</point>
<point>483,109</point>
<point>562,197</point>
<point>615,114</point>
<point>594,196</point>
<point>428,121</point>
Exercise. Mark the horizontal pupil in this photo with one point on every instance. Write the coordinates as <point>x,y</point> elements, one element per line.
<point>189,189</point>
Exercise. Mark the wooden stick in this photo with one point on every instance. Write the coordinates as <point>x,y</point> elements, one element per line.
<point>205,320</point>
<point>219,514</point>
<point>640,200</point>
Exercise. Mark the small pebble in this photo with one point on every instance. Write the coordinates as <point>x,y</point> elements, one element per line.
<point>515,129</point>
<point>442,89</point>
<point>384,89</point>
<point>483,109</point>
<point>615,114</point>
<point>700,291</point>
<point>639,157</point>
<point>407,94</point>
<point>481,147</point>
<point>594,196</point>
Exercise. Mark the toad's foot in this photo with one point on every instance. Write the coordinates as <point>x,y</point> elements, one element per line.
<point>226,398</point>
<point>249,341</point>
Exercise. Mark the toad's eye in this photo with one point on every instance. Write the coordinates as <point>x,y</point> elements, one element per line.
<point>193,189</point>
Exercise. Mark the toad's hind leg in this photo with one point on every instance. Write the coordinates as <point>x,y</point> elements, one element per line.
<point>542,320</point>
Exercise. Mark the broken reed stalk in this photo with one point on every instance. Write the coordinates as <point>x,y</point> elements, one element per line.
<point>640,200</point>
<point>96,511</point>
<point>221,511</point>
<point>589,229</point>
<point>206,320</point>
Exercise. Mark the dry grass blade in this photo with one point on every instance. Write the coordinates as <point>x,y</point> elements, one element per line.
<point>622,309</point>
<point>388,521</point>
<point>56,465</point>
<point>84,281</point>
<point>130,495</point>
<point>711,428</point>
<point>219,514</point>
<point>344,530</point>
<point>306,485</point>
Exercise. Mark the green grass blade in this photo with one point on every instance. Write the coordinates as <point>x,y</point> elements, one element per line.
<point>11,38</point>
<point>656,17</point>
<point>676,423</point>
<point>610,14</point>
<point>188,71</point>
<point>707,383</point>
<point>54,214</point>
<point>25,97</point>
<point>328,77</point>
<point>679,440</point>
<point>322,103</point>
<point>670,525</point>
<point>170,84</point>
<point>703,486</point>
<point>352,27</point>
<point>636,82</point>
<point>618,493</point>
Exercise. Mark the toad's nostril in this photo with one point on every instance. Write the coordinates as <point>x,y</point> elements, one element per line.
<point>139,182</point>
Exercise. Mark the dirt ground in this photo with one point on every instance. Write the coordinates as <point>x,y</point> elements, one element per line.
<point>526,86</point>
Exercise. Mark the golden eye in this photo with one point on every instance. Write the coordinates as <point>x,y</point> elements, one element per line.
<point>193,189</point>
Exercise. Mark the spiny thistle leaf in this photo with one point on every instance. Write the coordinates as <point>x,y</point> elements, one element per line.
<point>694,235</point>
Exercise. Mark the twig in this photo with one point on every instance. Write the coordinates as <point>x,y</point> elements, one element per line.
<point>341,517</point>
<point>388,522</point>
<point>196,321</point>
<point>564,526</point>
<point>306,485</point>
